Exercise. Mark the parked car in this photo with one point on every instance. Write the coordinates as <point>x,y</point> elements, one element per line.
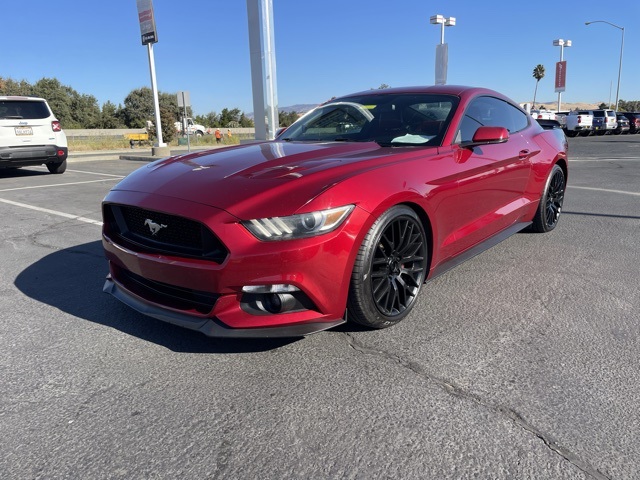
<point>604,121</point>
<point>578,123</point>
<point>623,124</point>
<point>549,124</point>
<point>634,121</point>
<point>31,135</point>
<point>543,114</point>
<point>344,216</point>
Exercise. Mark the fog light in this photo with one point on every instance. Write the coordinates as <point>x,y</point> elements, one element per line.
<point>278,302</point>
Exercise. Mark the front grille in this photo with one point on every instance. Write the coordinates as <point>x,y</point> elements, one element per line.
<point>172,296</point>
<point>148,230</point>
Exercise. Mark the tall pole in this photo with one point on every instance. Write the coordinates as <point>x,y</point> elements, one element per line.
<point>263,68</point>
<point>619,69</point>
<point>442,51</point>
<point>154,88</point>
<point>560,93</point>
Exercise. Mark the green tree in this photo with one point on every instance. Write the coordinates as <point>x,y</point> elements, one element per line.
<point>211,119</point>
<point>245,121</point>
<point>229,117</point>
<point>287,118</point>
<point>9,86</point>
<point>59,98</point>
<point>111,116</point>
<point>138,107</point>
<point>167,118</point>
<point>538,74</point>
<point>629,106</point>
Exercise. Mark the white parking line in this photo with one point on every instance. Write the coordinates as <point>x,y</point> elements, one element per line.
<point>600,160</point>
<point>636,194</point>
<point>52,212</point>
<point>60,184</point>
<point>95,173</point>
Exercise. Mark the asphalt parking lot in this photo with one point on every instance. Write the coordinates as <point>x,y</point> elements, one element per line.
<point>522,363</point>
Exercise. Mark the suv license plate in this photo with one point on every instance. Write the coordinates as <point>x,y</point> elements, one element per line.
<point>23,131</point>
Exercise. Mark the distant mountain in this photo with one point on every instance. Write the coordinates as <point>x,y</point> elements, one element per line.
<point>300,108</point>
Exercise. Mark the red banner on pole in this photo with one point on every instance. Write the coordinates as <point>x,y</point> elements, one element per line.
<point>561,75</point>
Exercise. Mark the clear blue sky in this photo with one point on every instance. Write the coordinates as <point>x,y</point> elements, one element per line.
<point>324,48</point>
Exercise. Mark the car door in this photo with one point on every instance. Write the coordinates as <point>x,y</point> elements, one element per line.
<point>491,178</point>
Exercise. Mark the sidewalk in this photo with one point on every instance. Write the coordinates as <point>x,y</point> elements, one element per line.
<point>135,154</point>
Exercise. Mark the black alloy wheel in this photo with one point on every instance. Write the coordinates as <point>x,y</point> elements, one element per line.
<point>551,202</point>
<point>389,270</point>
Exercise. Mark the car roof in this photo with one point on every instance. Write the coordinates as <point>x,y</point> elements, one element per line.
<point>457,90</point>
<point>22,98</point>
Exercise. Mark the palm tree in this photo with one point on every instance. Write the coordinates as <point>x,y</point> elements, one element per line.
<point>538,74</point>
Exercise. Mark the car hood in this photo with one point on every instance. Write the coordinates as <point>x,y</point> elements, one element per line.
<point>272,178</point>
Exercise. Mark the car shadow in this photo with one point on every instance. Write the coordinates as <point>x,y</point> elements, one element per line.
<point>22,172</point>
<point>71,280</point>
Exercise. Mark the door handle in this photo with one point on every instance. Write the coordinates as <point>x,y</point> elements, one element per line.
<point>523,154</point>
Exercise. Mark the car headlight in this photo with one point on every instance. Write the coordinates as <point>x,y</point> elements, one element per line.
<point>298,226</point>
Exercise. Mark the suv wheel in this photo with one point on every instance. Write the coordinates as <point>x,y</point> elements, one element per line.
<point>57,167</point>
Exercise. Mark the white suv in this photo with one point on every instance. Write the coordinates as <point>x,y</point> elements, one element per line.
<point>31,135</point>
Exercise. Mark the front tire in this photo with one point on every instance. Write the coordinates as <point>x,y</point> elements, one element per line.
<point>57,167</point>
<point>551,202</point>
<point>389,270</point>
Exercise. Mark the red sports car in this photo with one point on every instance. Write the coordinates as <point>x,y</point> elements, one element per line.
<point>344,216</point>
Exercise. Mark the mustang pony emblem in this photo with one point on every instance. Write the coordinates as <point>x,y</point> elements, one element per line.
<point>153,226</point>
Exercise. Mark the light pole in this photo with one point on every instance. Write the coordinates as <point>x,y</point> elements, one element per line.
<point>621,49</point>
<point>560,83</point>
<point>442,51</point>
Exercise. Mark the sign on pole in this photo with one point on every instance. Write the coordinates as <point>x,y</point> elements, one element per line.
<point>184,99</point>
<point>442,60</point>
<point>561,75</point>
<point>147,22</point>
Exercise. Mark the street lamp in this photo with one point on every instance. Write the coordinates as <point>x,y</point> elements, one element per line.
<point>560,87</point>
<point>621,48</point>
<point>442,51</point>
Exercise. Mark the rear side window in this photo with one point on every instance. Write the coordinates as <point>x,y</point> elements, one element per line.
<point>490,112</point>
<point>23,109</point>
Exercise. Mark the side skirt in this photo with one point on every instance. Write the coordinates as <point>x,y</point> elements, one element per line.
<point>478,249</point>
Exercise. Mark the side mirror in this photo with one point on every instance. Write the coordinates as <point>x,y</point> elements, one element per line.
<point>280,131</point>
<point>487,136</point>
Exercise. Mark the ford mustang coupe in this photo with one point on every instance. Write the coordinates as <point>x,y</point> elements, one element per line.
<point>344,216</point>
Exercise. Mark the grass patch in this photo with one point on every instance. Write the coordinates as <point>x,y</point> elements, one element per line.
<point>87,144</point>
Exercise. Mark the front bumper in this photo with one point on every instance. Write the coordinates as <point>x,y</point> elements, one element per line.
<point>212,327</point>
<point>212,297</point>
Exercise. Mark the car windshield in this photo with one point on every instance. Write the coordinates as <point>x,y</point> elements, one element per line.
<point>388,119</point>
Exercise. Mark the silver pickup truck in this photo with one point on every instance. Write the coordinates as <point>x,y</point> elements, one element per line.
<point>578,123</point>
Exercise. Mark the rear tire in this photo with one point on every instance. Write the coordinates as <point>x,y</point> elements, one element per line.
<point>551,201</point>
<point>389,270</point>
<point>57,167</point>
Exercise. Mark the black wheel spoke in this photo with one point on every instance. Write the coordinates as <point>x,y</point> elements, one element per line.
<point>398,266</point>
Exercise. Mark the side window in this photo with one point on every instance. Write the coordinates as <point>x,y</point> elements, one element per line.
<point>491,112</point>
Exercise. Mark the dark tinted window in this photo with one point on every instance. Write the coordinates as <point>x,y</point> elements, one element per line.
<point>490,112</point>
<point>30,110</point>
